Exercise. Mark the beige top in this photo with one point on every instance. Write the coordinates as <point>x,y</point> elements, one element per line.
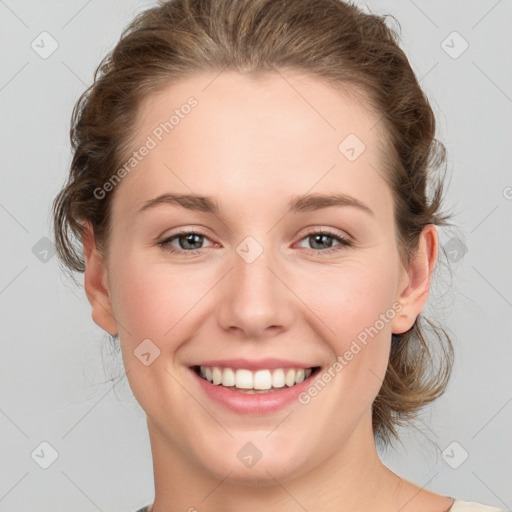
<point>466,506</point>
<point>458,506</point>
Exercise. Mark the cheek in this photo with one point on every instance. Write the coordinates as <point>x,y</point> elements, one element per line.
<point>154,301</point>
<point>353,314</point>
<point>353,298</point>
<point>355,304</point>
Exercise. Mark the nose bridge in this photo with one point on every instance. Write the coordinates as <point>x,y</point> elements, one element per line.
<point>254,299</point>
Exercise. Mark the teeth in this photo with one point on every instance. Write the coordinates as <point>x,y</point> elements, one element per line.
<point>278,378</point>
<point>289,380</point>
<point>216,375</point>
<point>259,380</point>
<point>243,379</point>
<point>228,377</point>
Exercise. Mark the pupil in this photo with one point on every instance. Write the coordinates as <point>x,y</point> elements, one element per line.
<point>189,239</point>
<point>318,238</point>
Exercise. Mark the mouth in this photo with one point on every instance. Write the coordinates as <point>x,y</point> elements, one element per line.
<point>262,381</point>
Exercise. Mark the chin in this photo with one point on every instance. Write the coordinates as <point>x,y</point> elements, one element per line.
<point>251,462</point>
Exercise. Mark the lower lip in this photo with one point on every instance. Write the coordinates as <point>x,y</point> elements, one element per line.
<point>258,403</point>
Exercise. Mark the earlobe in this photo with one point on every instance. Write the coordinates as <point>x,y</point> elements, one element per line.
<point>414,295</point>
<point>96,282</point>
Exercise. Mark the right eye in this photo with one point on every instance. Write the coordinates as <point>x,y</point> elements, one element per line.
<point>188,242</point>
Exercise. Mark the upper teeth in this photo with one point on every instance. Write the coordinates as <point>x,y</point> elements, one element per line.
<point>260,379</point>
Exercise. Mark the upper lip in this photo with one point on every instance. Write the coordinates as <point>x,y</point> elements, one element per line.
<point>255,364</point>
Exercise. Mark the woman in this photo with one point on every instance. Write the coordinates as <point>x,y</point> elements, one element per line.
<point>249,183</point>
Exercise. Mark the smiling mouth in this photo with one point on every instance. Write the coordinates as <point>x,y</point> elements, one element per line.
<point>254,382</point>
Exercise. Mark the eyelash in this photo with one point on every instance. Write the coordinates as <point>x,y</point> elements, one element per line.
<point>343,242</point>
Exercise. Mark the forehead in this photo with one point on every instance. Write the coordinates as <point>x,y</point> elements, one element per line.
<point>246,133</point>
<point>280,106</point>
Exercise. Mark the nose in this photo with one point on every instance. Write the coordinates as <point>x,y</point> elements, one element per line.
<point>255,301</point>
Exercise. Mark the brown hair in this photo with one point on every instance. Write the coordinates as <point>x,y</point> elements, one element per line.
<point>329,39</point>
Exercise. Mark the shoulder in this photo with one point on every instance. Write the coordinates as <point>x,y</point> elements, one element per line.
<point>467,506</point>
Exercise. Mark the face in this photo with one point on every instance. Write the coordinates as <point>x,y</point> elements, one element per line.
<point>255,271</point>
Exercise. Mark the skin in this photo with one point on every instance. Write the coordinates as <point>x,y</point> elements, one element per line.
<point>252,144</point>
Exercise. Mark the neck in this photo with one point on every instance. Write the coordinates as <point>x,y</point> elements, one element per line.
<point>352,479</point>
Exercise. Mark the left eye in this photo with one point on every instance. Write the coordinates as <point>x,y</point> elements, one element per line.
<point>191,242</point>
<point>325,238</point>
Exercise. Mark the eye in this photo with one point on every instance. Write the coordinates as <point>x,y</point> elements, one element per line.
<point>188,242</point>
<point>191,242</point>
<point>324,239</point>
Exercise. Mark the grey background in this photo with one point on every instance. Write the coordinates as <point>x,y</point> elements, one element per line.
<point>59,382</point>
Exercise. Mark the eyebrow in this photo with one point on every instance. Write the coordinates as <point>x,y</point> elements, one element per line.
<point>308,202</point>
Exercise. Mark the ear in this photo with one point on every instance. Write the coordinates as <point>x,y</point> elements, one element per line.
<point>96,282</point>
<point>415,286</point>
